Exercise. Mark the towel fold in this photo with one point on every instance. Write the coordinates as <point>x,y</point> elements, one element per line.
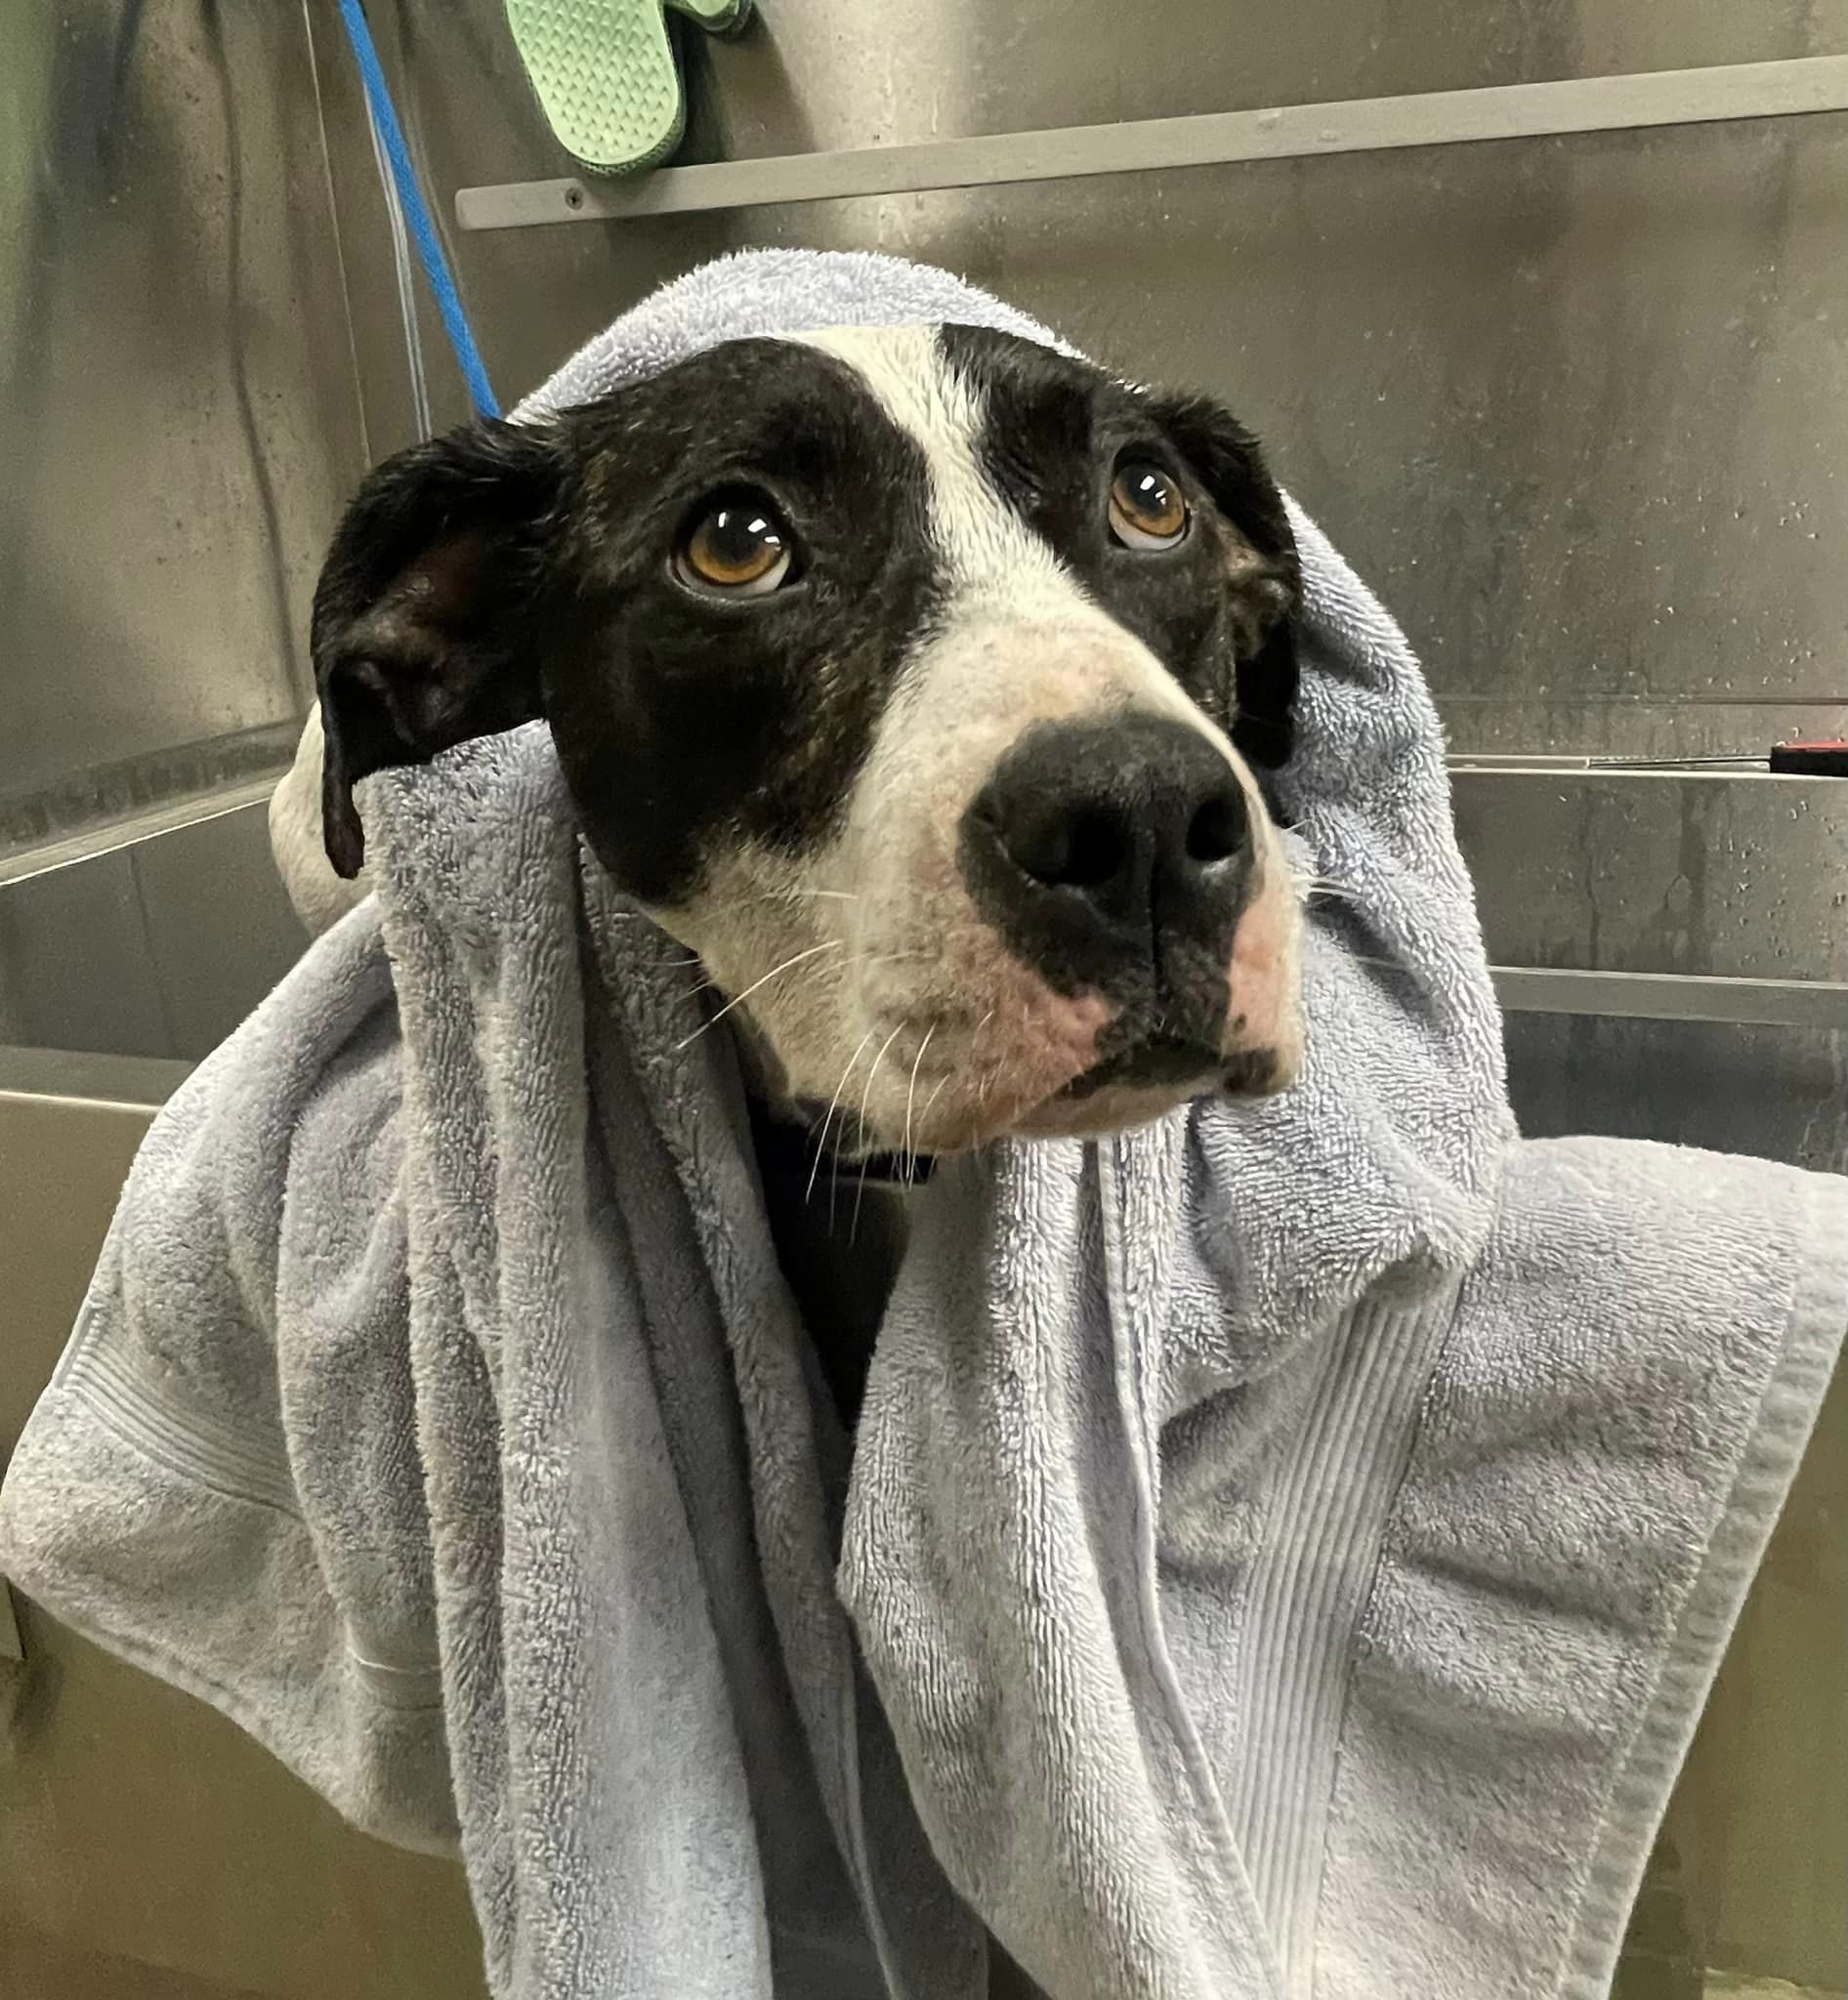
<point>1284,1549</point>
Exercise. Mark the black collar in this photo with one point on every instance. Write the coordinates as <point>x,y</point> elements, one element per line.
<point>888,1169</point>
<point>790,1145</point>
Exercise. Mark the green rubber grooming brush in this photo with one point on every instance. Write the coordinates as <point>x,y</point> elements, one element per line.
<point>606,75</point>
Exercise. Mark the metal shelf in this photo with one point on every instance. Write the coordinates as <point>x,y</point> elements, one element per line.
<point>1799,87</point>
<point>1672,996</point>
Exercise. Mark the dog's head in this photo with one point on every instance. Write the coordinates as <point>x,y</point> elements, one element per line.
<point>914,678</point>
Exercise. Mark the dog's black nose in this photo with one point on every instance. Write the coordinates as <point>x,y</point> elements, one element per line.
<point>1108,844</point>
<point>1119,814</point>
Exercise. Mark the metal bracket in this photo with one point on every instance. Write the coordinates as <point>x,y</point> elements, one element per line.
<point>1718,93</point>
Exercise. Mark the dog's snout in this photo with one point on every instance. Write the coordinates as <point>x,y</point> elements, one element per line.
<point>1126,824</point>
<point>1127,862</point>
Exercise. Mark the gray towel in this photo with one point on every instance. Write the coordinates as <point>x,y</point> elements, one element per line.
<point>1285,1549</point>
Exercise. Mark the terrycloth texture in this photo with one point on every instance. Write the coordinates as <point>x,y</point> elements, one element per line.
<point>1290,1546</point>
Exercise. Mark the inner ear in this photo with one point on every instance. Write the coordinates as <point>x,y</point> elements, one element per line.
<point>1263,571</point>
<point>424,618</point>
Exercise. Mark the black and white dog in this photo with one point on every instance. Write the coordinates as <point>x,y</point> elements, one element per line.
<point>915,679</point>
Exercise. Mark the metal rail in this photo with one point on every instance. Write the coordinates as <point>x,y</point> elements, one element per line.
<point>78,1078</point>
<point>1673,996</point>
<point>82,1077</point>
<point>1721,92</point>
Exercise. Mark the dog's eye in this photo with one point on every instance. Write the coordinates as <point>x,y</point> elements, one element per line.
<point>1146,507</point>
<point>738,546</point>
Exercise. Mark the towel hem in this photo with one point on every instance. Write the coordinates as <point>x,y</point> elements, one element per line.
<point>1314,1579</point>
<point>82,1603</point>
<point>140,1416</point>
<point>1787,1416</point>
<point>191,1446</point>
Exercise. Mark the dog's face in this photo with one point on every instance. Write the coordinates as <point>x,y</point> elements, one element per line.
<point>913,677</point>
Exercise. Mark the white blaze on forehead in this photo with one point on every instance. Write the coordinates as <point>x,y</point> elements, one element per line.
<point>984,544</point>
<point>1008,596</point>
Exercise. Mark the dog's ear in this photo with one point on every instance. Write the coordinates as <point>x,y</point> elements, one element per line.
<point>1265,576</point>
<point>423,615</point>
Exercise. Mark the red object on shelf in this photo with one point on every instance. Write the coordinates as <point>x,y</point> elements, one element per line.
<point>1811,760</point>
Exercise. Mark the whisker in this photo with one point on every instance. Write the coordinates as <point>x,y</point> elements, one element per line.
<point>982,1088</point>
<point>820,1143</point>
<point>911,1096</point>
<point>1319,885</point>
<point>776,972</point>
<point>748,902</point>
<point>950,1075</point>
<point>865,1098</point>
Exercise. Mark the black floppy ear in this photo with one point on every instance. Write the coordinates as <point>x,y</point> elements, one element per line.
<point>422,626</point>
<point>1266,575</point>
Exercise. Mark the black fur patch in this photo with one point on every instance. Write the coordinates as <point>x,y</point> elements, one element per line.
<point>679,717</point>
<point>505,572</point>
<point>1216,611</point>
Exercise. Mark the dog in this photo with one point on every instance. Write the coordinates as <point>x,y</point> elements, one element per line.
<point>925,683</point>
<point>918,680</point>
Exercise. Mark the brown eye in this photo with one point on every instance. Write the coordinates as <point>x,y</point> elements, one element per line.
<point>1146,509</point>
<point>736,547</point>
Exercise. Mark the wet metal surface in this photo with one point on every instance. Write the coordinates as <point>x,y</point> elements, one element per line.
<point>178,413</point>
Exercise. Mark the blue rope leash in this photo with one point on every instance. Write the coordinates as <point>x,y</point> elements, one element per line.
<point>423,233</point>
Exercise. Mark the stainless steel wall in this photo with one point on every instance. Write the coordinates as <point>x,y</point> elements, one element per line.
<point>1572,405</point>
<point>178,412</point>
<point>155,945</point>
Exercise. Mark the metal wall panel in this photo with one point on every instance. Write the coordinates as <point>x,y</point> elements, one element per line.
<point>178,416</point>
<point>1571,404</point>
<point>1739,877</point>
<point>158,948</point>
<point>1777,1093</point>
<point>843,78</point>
